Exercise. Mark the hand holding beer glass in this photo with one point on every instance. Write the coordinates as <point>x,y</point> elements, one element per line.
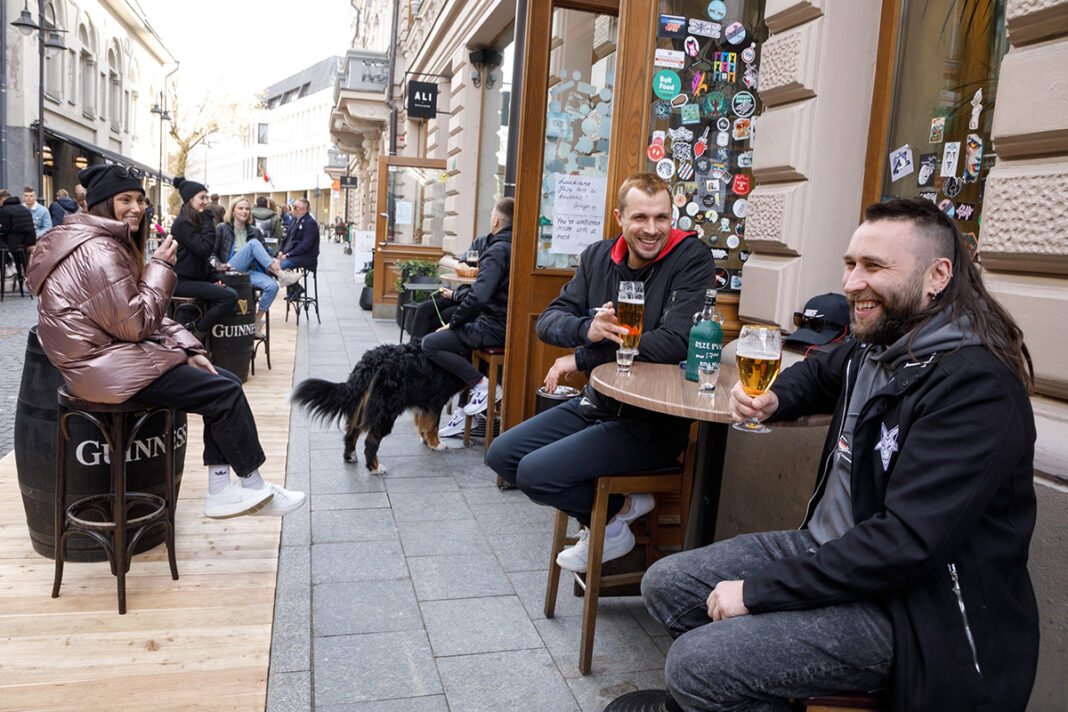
<point>630,309</point>
<point>759,355</point>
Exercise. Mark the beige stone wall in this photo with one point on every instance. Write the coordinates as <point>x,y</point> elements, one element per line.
<point>816,75</point>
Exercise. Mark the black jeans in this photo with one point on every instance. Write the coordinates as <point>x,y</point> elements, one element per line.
<point>446,350</point>
<point>230,436</point>
<point>220,300</point>
<point>556,456</point>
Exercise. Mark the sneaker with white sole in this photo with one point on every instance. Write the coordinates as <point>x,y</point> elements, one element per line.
<point>288,277</point>
<point>234,501</point>
<point>640,505</point>
<point>576,558</point>
<point>479,400</point>
<point>455,426</point>
<point>283,502</point>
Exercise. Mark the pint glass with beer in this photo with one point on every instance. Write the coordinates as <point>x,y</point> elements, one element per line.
<point>630,309</point>
<point>759,355</point>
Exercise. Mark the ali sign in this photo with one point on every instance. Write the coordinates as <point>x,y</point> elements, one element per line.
<point>422,100</point>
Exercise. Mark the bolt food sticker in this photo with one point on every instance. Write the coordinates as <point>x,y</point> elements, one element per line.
<point>973,158</point>
<point>743,104</point>
<point>673,26</point>
<point>938,129</point>
<point>950,155</point>
<point>666,84</point>
<point>669,58</point>
<point>928,166</point>
<point>691,114</point>
<point>735,33</point>
<point>965,211</point>
<point>717,9</point>
<point>704,28</point>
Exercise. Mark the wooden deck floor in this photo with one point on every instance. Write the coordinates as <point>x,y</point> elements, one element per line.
<point>199,643</point>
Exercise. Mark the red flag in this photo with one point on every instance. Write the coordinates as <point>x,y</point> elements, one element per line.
<point>263,170</point>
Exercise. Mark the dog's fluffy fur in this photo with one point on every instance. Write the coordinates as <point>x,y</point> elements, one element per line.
<point>387,381</point>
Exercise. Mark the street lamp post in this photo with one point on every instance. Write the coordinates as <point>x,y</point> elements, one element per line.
<point>52,42</point>
<point>161,109</point>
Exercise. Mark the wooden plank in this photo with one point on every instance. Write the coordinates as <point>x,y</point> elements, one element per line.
<point>76,652</point>
<point>881,99</point>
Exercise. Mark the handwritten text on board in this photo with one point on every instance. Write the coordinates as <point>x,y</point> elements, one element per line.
<point>578,212</point>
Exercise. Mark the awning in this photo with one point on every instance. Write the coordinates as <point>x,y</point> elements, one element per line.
<point>110,155</point>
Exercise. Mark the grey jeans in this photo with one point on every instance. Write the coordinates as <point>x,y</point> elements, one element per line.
<point>757,662</point>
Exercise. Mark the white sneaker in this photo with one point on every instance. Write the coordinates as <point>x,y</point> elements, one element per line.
<point>283,502</point>
<point>261,331</point>
<point>576,558</point>
<point>479,400</point>
<point>234,500</point>
<point>288,277</point>
<point>640,505</point>
<point>455,426</point>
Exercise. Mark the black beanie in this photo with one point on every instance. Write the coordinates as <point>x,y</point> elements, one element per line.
<point>187,188</point>
<point>103,181</point>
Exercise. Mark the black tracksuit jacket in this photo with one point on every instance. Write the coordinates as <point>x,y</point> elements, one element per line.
<point>195,247</point>
<point>942,531</point>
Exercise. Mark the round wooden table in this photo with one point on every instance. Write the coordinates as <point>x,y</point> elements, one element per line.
<point>663,388</point>
<point>453,278</point>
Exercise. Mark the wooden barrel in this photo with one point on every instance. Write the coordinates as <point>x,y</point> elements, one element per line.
<point>233,336</point>
<point>87,458</point>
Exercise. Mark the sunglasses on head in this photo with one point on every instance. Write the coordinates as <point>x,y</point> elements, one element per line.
<point>816,323</point>
<point>127,172</point>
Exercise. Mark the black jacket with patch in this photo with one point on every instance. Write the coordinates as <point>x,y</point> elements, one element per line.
<point>944,504</point>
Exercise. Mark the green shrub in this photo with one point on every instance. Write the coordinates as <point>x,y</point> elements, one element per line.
<point>415,268</point>
<point>369,278</point>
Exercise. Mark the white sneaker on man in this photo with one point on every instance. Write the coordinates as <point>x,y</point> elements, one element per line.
<point>234,500</point>
<point>640,505</point>
<point>576,558</point>
<point>288,277</point>
<point>283,502</point>
<point>455,426</point>
<point>479,400</point>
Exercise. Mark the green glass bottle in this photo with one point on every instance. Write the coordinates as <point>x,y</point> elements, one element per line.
<point>706,337</point>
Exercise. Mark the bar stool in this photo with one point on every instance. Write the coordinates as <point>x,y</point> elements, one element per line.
<point>493,357</point>
<point>111,530</point>
<point>843,703</point>
<point>18,259</point>
<point>306,298</point>
<point>265,341</point>
<point>676,478</point>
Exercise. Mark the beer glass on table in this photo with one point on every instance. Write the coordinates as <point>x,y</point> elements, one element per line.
<point>758,356</point>
<point>630,309</point>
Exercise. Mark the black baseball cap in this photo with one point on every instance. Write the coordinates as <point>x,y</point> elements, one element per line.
<point>822,321</point>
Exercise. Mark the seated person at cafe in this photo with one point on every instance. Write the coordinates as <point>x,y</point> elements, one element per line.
<point>479,320</point>
<point>825,320</point>
<point>910,571</point>
<point>239,246</point>
<point>300,249</point>
<point>556,456</point>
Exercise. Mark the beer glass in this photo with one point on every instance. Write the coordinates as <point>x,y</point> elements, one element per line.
<point>630,309</point>
<point>758,356</point>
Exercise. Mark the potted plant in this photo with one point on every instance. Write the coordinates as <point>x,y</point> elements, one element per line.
<point>368,293</point>
<point>413,272</point>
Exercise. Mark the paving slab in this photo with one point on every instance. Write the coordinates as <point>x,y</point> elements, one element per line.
<point>364,607</point>
<point>458,576</point>
<point>357,561</point>
<point>375,666</point>
<point>512,680</point>
<point>478,625</point>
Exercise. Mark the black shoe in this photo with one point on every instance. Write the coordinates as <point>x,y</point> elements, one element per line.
<point>294,292</point>
<point>644,701</point>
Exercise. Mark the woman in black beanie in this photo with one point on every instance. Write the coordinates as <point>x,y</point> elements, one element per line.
<point>194,231</point>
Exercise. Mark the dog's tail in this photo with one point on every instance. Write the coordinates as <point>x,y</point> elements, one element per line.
<point>327,401</point>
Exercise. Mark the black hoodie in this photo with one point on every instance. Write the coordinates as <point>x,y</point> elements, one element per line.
<point>16,224</point>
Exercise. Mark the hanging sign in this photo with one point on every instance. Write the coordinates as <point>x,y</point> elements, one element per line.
<point>422,100</point>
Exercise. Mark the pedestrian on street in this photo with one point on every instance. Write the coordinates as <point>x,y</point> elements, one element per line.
<point>61,207</point>
<point>42,219</point>
<point>101,321</point>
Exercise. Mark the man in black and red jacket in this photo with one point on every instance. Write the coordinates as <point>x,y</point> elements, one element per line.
<point>556,456</point>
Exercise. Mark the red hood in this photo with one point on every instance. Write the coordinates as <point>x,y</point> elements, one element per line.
<point>619,249</point>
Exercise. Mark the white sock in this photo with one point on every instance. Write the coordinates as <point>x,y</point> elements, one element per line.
<point>253,481</point>
<point>218,478</point>
<point>483,385</point>
<point>614,529</point>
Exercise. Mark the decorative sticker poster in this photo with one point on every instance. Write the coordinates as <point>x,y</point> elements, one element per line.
<point>578,214</point>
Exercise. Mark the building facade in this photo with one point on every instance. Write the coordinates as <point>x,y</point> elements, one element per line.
<point>282,151</point>
<point>98,92</point>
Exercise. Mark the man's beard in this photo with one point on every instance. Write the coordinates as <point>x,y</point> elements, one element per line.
<point>900,312</point>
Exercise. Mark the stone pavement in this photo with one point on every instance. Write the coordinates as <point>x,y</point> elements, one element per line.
<point>422,590</point>
<point>17,315</point>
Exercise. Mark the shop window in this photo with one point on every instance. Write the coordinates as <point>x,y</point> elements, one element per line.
<point>945,82</point>
<point>577,132</point>
<point>493,144</point>
<point>704,107</point>
<point>415,205</point>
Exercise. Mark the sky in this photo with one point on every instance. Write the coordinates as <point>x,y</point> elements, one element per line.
<point>243,46</point>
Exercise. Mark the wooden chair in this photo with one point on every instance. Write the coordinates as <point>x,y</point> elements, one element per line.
<point>677,479</point>
<point>843,703</point>
<point>493,357</point>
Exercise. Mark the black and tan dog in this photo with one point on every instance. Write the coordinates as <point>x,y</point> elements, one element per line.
<point>387,381</point>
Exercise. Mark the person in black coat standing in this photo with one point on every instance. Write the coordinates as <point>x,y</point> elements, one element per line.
<point>16,232</point>
<point>194,231</point>
<point>62,206</point>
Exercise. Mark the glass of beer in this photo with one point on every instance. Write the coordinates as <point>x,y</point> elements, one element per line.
<point>630,309</point>
<point>758,356</point>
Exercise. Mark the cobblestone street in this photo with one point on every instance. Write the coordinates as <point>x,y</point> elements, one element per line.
<point>17,315</point>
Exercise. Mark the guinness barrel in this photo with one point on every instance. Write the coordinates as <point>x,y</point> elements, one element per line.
<point>88,458</point>
<point>232,337</point>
